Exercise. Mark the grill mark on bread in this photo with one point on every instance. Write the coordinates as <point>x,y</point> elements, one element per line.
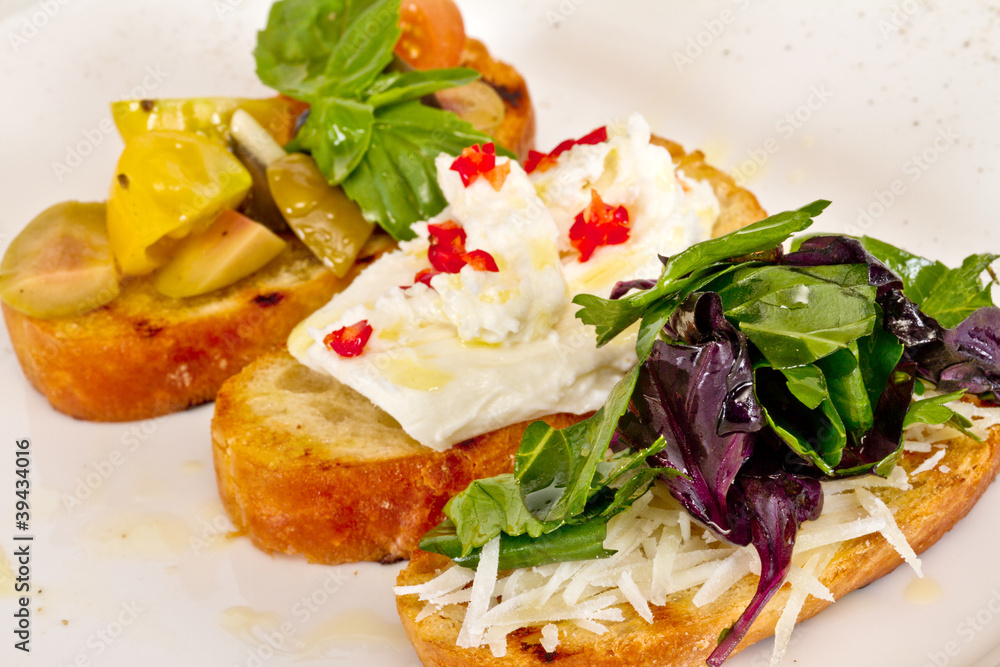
<point>512,96</point>
<point>145,328</point>
<point>269,299</point>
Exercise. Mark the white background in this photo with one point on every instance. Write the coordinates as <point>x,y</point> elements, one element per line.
<point>889,109</point>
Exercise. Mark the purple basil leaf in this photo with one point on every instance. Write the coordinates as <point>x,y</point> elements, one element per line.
<point>824,250</point>
<point>773,505</point>
<point>698,395</point>
<point>623,287</point>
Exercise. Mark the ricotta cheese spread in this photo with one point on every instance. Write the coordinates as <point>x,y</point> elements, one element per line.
<point>469,352</point>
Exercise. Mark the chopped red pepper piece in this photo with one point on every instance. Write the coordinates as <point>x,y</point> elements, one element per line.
<point>480,260</point>
<point>476,161</point>
<point>349,341</point>
<point>447,253</point>
<point>598,225</point>
<point>545,161</point>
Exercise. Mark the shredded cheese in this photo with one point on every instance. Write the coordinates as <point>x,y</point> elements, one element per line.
<point>660,551</point>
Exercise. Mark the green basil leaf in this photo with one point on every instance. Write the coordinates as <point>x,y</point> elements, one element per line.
<point>790,334</point>
<point>396,87</point>
<point>816,434</point>
<point>878,355</point>
<point>369,32</point>
<point>808,384</point>
<point>848,391</point>
<point>396,181</point>
<point>337,133</point>
<point>312,48</point>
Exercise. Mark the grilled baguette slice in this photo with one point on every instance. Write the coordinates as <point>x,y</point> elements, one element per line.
<point>683,635</point>
<point>145,355</point>
<point>307,466</point>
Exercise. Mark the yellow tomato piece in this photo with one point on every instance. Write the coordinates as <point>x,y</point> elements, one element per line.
<point>233,247</point>
<point>61,263</point>
<point>168,184</point>
<point>209,116</point>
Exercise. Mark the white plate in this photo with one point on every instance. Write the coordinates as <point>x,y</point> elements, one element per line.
<point>888,109</point>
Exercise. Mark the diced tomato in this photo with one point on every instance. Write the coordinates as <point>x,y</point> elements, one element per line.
<point>349,341</point>
<point>545,161</point>
<point>598,225</point>
<point>433,34</point>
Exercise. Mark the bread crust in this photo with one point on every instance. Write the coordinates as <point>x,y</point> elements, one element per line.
<point>145,354</point>
<point>289,485</point>
<point>684,635</point>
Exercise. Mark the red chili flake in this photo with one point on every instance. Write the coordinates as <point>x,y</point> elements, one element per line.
<point>475,161</point>
<point>349,341</point>
<point>447,253</point>
<point>498,175</point>
<point>598,225</point>
<point>545,161</point>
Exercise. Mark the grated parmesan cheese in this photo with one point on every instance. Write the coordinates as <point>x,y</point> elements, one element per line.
<point>660,551</point>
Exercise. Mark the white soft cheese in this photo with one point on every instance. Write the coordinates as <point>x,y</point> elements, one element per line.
<point>481,350</point>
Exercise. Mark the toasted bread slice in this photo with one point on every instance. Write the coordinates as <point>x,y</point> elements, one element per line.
<point>684,635</point>
<point>306,466</point>
<point>145,355</point>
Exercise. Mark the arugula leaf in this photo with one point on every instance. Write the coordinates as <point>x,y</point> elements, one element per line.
<point>396,181</point>
<point>934,411</point>
<point>489,507</point>
<point>582,541</point>
<point>959,292</point>
<point>947,295</point>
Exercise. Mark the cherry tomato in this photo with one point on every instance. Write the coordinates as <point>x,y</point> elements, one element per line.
<point>433,33</point>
